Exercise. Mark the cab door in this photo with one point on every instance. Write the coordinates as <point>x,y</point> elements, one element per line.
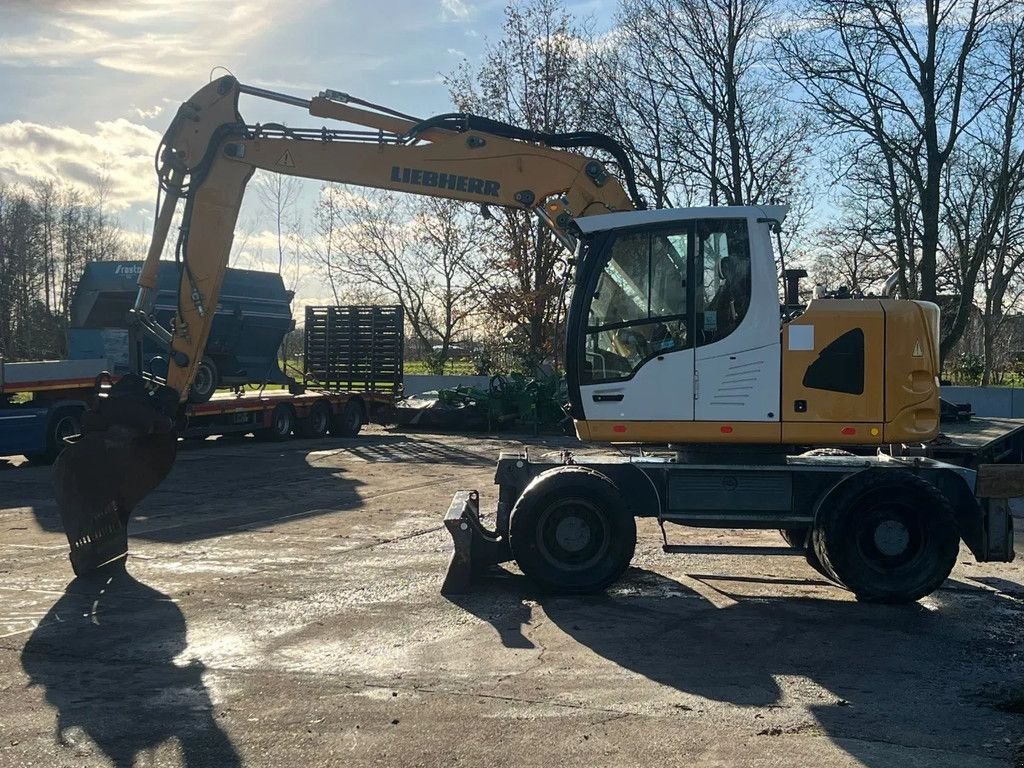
<point>637,357</point>
<point>737,322</point>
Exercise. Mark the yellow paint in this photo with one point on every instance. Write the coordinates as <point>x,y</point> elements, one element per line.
<point>679,431</point>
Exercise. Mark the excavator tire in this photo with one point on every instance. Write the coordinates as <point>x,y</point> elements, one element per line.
<point>571,531</point>
<point>888,536</point>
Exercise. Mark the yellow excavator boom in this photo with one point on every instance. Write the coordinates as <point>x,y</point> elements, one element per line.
<point>207,156</point>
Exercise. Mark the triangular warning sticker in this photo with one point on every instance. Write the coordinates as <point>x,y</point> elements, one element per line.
<point>286,160</point>
<point>918,352</point>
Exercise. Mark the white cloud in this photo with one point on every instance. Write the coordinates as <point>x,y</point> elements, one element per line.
<point>160,38</point>
<point>455,9</point>
<point>117,153</point>
<point>147,114</point>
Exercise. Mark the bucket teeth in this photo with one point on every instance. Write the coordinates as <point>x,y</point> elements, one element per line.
<point>126,449</point>
<point>99,480</point>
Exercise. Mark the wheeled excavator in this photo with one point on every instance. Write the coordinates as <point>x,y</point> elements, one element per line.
<point>675,339</point>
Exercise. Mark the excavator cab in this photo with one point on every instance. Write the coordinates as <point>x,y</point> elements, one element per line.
<point>675,323</point>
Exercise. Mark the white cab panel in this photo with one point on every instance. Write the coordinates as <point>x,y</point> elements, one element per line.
<point>661,390</point>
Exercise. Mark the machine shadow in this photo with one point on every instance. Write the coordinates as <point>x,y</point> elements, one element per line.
<point>214,491</point>
<point>105,655</point>
<point>870,675</point>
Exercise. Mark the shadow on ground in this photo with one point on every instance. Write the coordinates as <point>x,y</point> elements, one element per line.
<point>213,492</point>
<point>872,676</point>
<point>105,654</point>
<point>210,490</point>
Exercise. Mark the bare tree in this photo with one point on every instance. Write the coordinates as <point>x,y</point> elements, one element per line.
<point>423,254</point>
<point>535,76</point>
<point>901,82</point>
<point>626,68</point>
<point>692,98</point>
<point>277,194</point>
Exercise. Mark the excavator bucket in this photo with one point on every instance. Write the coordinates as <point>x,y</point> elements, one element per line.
<point>127,447</point>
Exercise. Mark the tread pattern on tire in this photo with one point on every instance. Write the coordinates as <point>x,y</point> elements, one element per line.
<point>831,544</point>
<point>605,493</point>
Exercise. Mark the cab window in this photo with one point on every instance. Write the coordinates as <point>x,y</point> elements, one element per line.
<point>723,253</point>
<point>639,307</point>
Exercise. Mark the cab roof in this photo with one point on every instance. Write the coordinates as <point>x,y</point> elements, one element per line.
<point>622,219</point>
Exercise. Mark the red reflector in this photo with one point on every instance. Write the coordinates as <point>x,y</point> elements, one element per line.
<point>849,431</point>
<point>619,428</point>
<point>726,429</point>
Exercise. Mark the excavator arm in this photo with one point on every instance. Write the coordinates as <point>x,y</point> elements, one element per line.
<point>205,160</point>
<point>209,154</point>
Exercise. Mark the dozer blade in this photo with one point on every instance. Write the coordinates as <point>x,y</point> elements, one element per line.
<point>126,449</point>
<point>476,547</point>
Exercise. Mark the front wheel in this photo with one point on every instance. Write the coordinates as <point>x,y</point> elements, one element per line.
<point>571,531</point>
<point>888,536</point>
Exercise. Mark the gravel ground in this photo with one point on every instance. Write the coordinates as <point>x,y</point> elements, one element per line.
<point>281,608</point>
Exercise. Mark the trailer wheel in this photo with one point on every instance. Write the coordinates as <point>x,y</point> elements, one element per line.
<point>889,536</point>
<point>350,420</point>
<point>571,531</point>
<point>205,382</point>
<point>64,422</point>
<point>282,422</point>
<point>318,422</point>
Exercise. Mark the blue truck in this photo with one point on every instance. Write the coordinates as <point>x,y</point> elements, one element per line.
<point>252,317</point>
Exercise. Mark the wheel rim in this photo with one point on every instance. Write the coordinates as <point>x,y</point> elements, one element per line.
<point>573,534</point>
<point>282,422</point>
<point>204,379</point>
<point>892,536</point>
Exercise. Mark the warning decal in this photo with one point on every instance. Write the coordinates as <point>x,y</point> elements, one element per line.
<point>918,351</point>
<point>286,160</point>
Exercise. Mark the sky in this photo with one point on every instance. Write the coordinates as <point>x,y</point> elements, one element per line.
<point>90,85</point>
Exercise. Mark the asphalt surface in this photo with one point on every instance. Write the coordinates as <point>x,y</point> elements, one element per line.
<point>281,608</point>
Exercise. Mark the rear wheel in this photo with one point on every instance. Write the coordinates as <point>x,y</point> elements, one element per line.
<point>205,382</point>
<point>282,422</point>
<point>571,531</point>
<point>350,420</point>
<point>64,422</point>
<point>889,536</point>
<point>318,422</point>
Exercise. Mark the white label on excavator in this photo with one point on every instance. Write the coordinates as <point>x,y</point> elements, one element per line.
<point>918,351</point>
<point>286,160</point>
<point>801,338</point>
